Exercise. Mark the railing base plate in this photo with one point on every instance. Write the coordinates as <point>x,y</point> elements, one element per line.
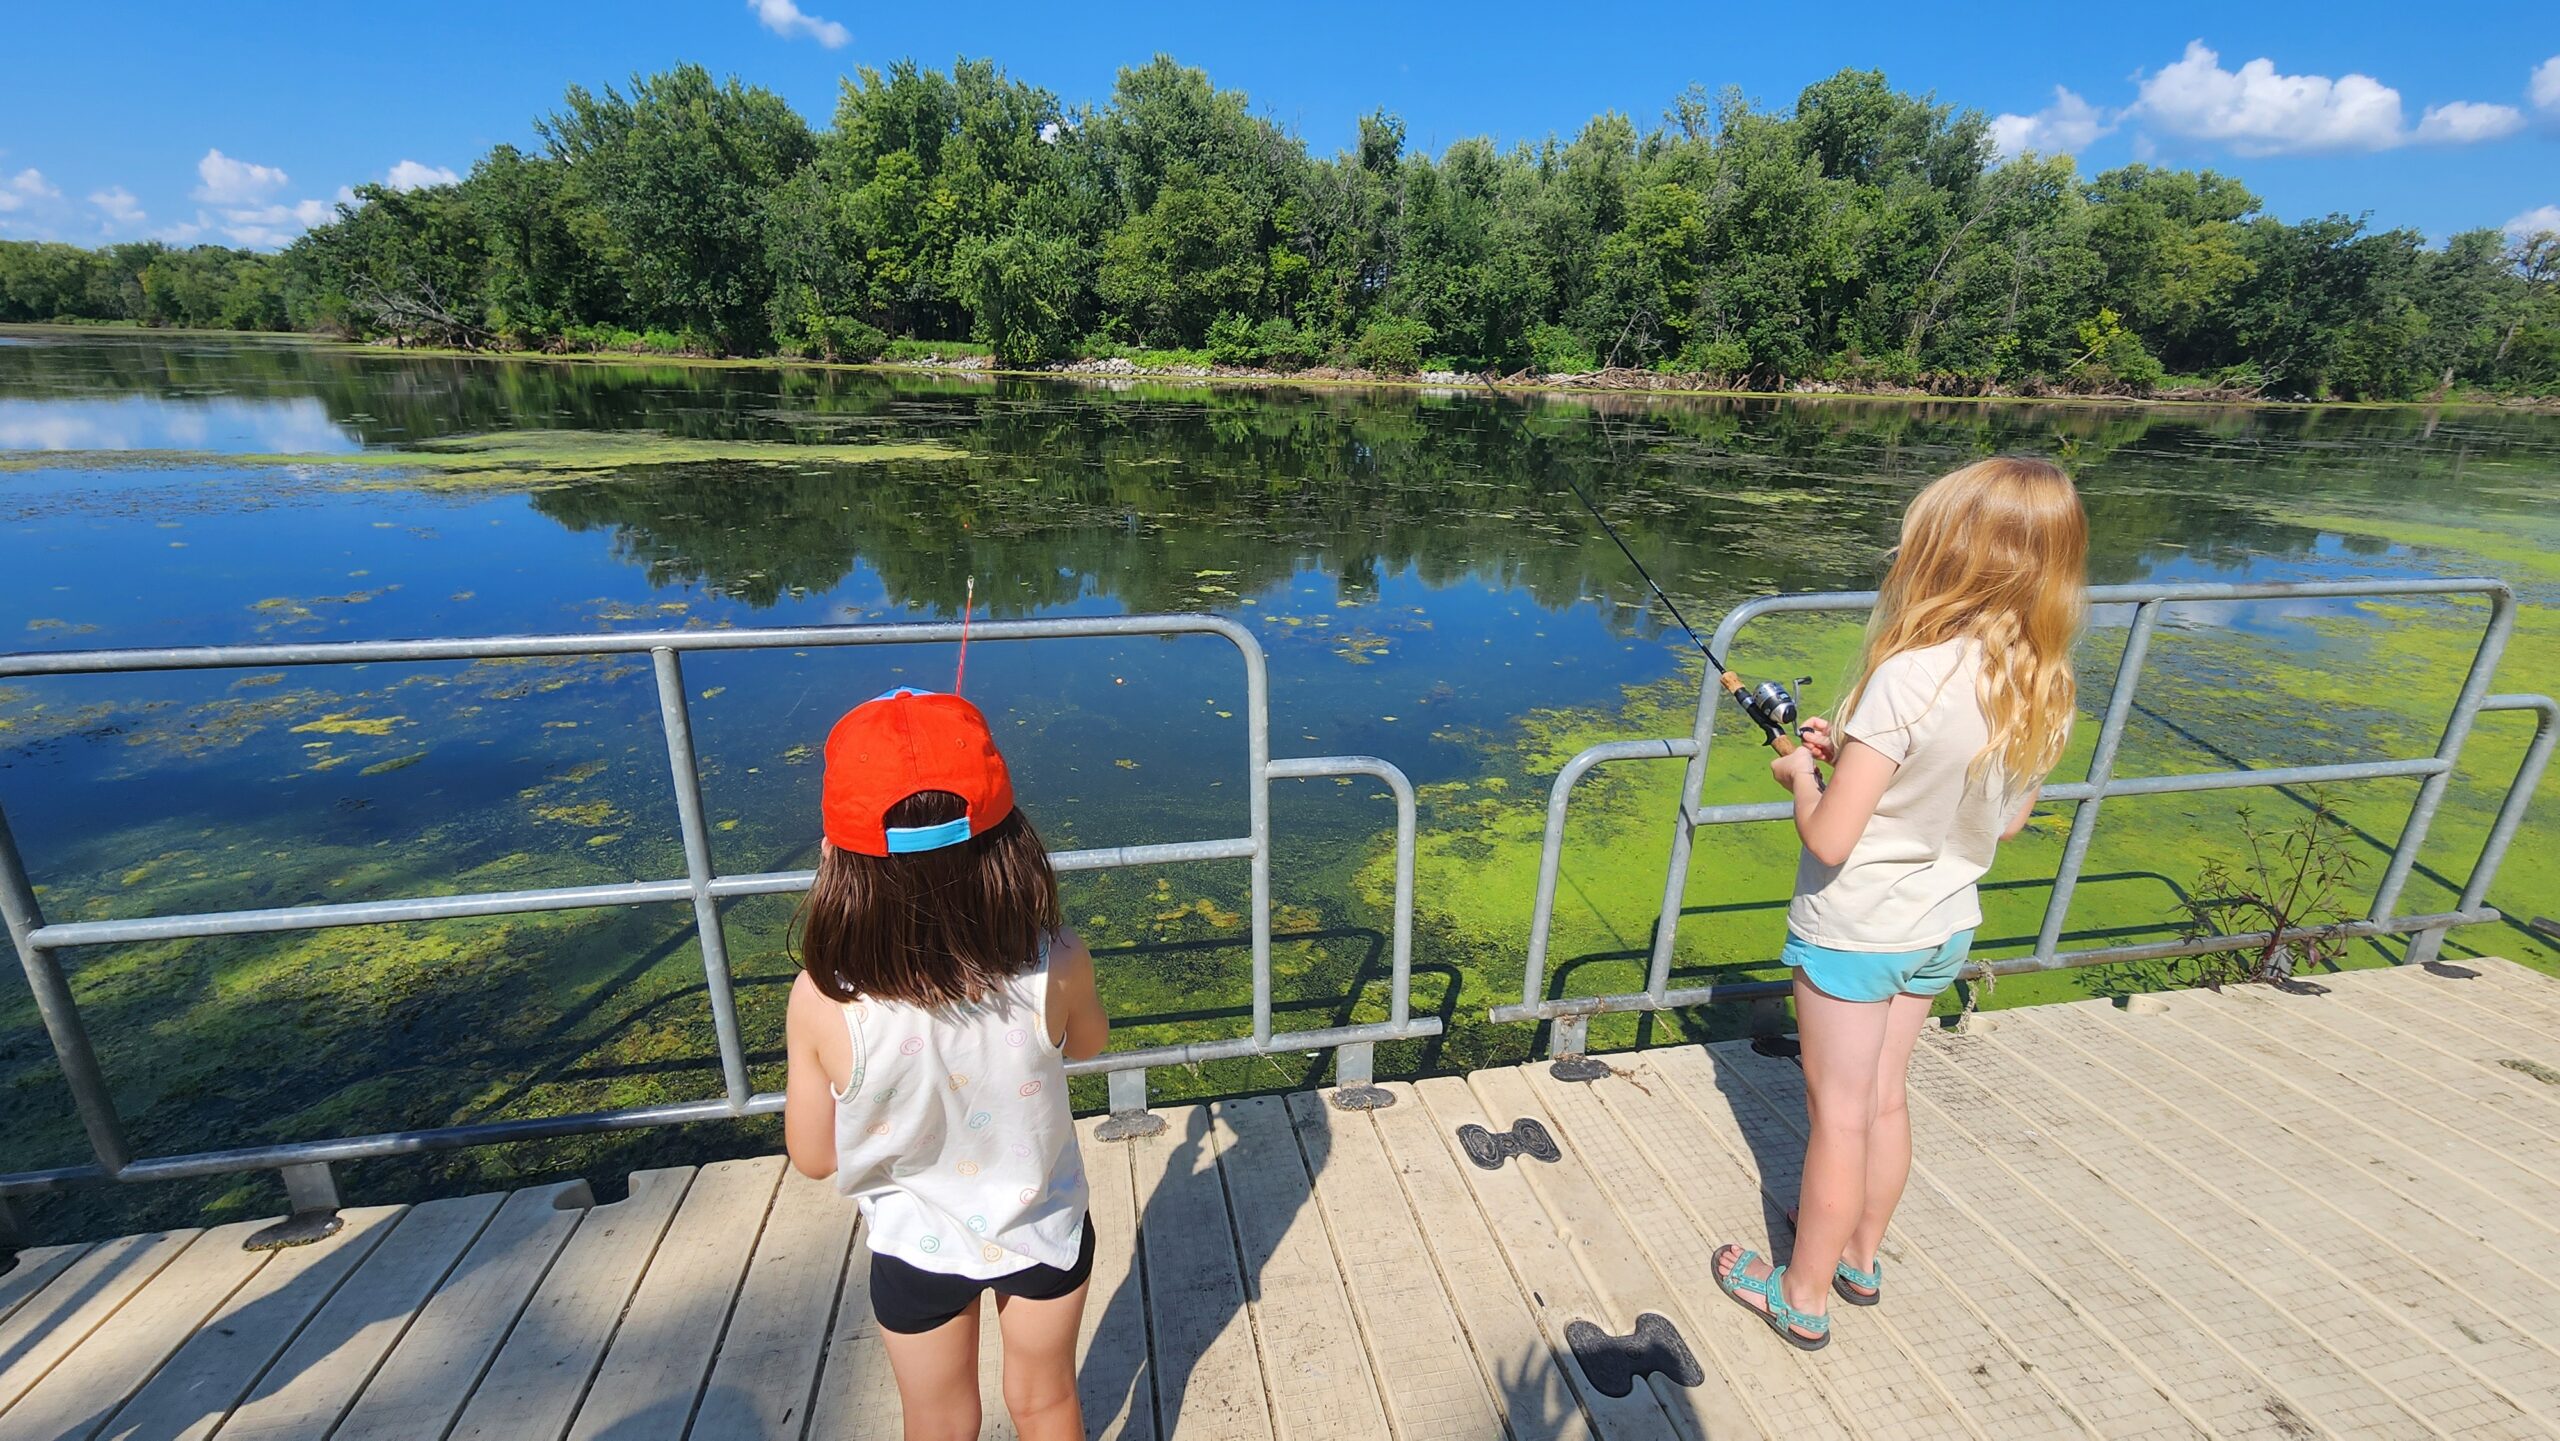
<point>1129,1126</point>
<point>1577,1068</point>
<point>1362,1098</point>
<point>299,1229</point>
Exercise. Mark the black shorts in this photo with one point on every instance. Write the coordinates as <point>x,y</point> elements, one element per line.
<point>910,1300</point>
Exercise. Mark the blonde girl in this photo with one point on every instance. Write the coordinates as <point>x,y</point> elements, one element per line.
<point>1963,701</point>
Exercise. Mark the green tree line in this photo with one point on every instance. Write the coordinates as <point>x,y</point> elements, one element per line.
<point>1864,236</point>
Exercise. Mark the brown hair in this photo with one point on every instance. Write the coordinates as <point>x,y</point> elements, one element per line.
<point>932,928</point>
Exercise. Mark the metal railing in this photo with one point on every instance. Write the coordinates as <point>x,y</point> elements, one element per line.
<point>1569,1016</point>
<point>304,1164</point>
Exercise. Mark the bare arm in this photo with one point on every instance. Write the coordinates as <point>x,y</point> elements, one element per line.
<point>2018,822</point>
<point>818,1056</point>
<point>1077,1022</point>
<point>1830,820</point>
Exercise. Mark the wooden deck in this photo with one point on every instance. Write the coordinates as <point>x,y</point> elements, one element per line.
<point>2252,1214</point>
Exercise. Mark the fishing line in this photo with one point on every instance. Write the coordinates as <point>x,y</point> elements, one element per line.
<point>1771,706</point>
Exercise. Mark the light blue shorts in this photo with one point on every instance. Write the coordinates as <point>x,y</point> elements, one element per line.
<point>1878,975</point>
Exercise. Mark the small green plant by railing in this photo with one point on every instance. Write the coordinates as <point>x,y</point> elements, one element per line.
<point>2290,879</point>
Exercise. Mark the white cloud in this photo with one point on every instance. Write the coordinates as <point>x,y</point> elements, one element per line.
<point>2466,122</point>
<point>264,227</point>
<point>416,175</point>
<point>26,186</point>
<point>786,19</point>
<point>2544,87</point>
<point>2541,220</point>
<point>2063,128</point>
<point>118,205</point>
<point>2257,111</point>
<point>235,182</point>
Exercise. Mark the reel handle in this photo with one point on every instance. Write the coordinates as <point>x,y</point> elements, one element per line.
<point>1779,740</point>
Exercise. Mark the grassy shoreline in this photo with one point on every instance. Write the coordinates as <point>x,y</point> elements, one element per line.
<point>1245,377</point>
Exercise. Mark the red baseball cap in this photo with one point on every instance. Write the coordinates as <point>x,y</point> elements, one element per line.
<point>889,748</point>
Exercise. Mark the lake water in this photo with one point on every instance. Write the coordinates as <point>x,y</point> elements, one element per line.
<point>1425,583</point>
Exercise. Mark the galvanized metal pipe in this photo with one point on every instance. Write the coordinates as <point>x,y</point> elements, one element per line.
<point>1551,854</point>
<point>503,647</point>
<point>2457,729</point>
<point>2102,767</point>
<point>685,773</point>
<point>2502,831</point>
<point>59,1009</point>
<point>1400,983</point>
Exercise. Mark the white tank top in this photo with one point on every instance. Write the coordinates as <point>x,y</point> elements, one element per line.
<point>954,1135</point>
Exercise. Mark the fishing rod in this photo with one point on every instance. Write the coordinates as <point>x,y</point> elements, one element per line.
<point>1771,706</point>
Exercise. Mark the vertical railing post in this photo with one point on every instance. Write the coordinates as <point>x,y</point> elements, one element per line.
<point>60,1011</point>
<point>2502,831</point>
<point>1675,876</point>
<point>1257,686</point>
<point>676,717</point>
<point>2457,729</point>
<point>2102,769</point>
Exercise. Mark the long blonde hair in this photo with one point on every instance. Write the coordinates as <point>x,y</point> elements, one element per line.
<point>1997,553</point>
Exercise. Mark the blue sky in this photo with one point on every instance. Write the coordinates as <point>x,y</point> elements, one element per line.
<point>240,121</point>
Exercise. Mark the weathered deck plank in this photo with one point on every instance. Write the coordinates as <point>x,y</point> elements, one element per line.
<point>81,1392</point>
<point>1115,1379</point>
<point>2395,1061</point>
<point>420,1388</point>
<point>77,1301</point>
<point>532,1389</point>
<point>2356,1229</point>
<point>1809,1400</point>
<point>1531,1375</point>
<point>191,1395</point>
<point>1700,1171</point>
<point>1313,1358</point>
<point>1208,1371</point>
<point>777,1336</point>
<point>1428,1377</point>
<point>2302,1375</point>
<point>2457,1175</point>
<point>653,1372</point>
<point>2439,1012</point>
<point>2386,1359</point>
<point>37,1266</point>
<point>319,1376</point>
<point>1543,1261</point>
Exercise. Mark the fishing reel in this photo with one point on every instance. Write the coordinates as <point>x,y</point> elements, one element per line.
<point>1771,706</point>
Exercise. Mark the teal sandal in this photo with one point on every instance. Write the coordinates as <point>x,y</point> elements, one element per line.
<point>1858,1288</point>
<point>1790,1323</point>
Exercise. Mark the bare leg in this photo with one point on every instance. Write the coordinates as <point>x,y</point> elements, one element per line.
<point>1844,1044</point>
<point>1888,1130</point>
<point>1040,1365</point>
<point>937,1373</point>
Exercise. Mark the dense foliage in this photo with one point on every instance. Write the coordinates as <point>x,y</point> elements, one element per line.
<point>1865,236</point>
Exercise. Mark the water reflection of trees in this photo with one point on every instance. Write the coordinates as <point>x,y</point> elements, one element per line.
<point>1131,493</point>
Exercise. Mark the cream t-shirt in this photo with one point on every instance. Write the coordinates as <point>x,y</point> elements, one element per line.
<point>1908,883</point>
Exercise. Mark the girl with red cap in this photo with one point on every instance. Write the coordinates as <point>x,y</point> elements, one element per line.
<point>938,1000</point>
